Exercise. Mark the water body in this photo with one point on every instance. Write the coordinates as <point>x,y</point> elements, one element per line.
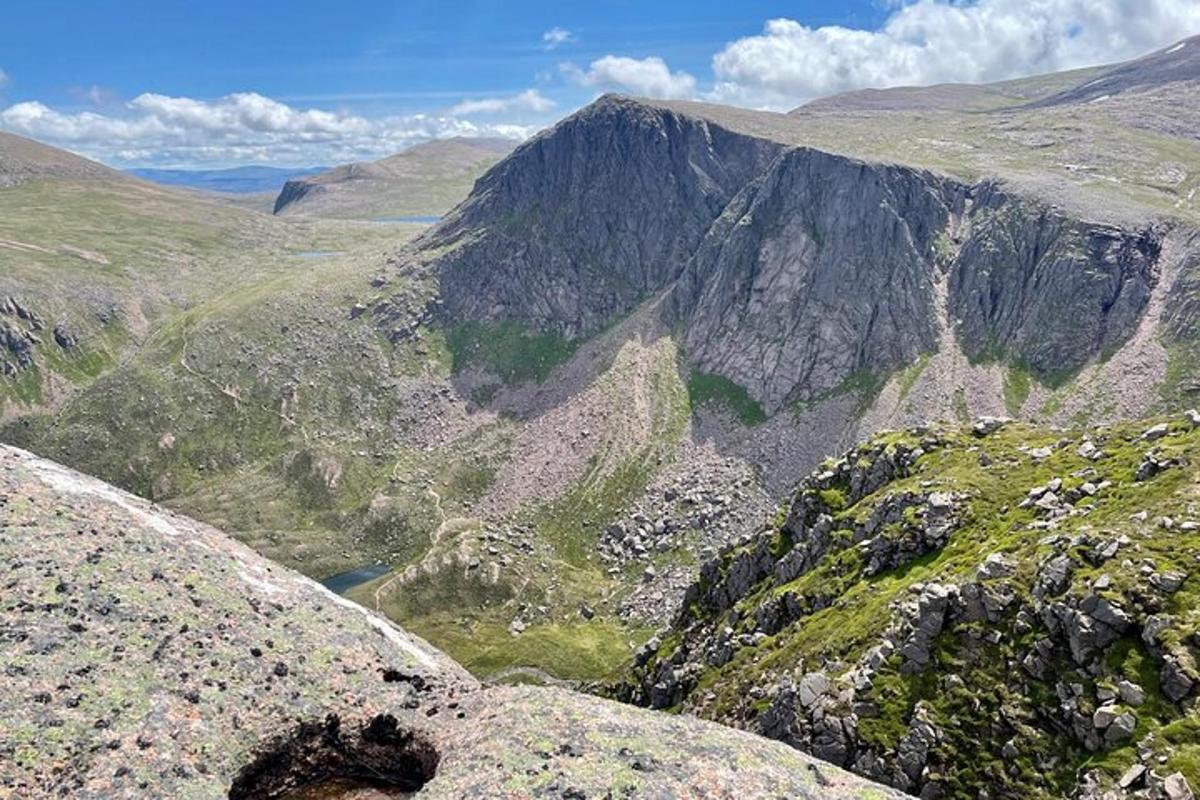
<point>345,581</point>
<point>417,220</point>
<point>317,253</point>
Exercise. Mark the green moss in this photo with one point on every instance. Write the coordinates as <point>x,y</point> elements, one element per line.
<point>833,498</point>
<point>1017,384</point>
<point>507,349</point>
<point>704,388</point>
<point>842,613</point>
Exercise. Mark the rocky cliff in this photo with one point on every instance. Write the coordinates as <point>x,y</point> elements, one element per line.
<point>792,272</point>
<point>1001,612</point>
<point>147,655</point>
<point>587,220</point>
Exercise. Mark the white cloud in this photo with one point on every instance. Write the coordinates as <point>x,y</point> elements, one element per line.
<point>3,79</point>
<point>156,129</point>
<point>646,77</point>
<point>556,36</point>
<point>932,41</point>
<point>528,100</point>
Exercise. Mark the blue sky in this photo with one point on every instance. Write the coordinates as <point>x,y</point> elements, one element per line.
<point>381,57</point>
<point>220,83</point>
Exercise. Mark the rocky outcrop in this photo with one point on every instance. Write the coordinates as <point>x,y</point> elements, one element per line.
<point>147,655</point>
<point>921,609</point>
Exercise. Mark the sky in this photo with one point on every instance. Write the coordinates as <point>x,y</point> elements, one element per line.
<point>182,83</point>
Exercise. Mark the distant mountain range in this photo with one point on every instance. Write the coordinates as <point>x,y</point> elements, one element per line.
<point>238,180</point>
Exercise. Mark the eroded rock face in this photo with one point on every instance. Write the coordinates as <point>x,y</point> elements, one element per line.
<point>793,272</point>
<point>821,268</point>
<point>1045,290</point>
<point>582,223</point>
<point>147,655</point>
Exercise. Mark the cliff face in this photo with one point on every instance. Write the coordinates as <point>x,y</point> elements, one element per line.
<point>1046,290</point>
<point>820,269</point>
<point>584,222</point>
<point>793,272</point>
<point>294,191</point>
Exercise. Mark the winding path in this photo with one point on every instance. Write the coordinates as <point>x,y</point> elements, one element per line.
<point>434,538</point>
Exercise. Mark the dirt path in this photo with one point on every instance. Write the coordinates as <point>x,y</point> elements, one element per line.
<point>435,537</point>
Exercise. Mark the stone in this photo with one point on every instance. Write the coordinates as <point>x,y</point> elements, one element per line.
<point>994,566</point>
<point>1167,582</point>
<point>1104,716</point>
<point>985,426</point>
<point>1156,432</point>
<point>1176,787</point>
<point>1120,729</point>
<point>1176,684</point>
<point>1132,777</point>
<point>1131,693</point>
<point>1192,416</point>
<point>811,687</point>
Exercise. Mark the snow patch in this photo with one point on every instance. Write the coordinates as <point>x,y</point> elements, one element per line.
<point>1176,48</point>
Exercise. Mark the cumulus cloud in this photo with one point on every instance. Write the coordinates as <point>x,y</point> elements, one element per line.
<point>646,77</point>
<point>155,129</point>
<point>933,41</point>
<point>528,100</point>
<point>556,36</point>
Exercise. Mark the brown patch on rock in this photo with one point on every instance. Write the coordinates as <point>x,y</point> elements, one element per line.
<point>326,760</point>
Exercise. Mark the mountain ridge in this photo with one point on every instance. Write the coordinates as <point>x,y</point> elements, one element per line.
<point>382,188</point>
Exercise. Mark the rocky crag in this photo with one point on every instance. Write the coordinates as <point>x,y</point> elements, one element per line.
<point>1001,612</point>
<point>148,655</point>
<point>792,272</point>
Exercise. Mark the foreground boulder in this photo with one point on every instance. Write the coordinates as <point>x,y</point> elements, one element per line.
<point>147,655</point>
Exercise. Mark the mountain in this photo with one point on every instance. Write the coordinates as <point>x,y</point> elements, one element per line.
<point>146,654</point>
<point>424,180</point>
<point>237,180</point>
<point>23,160</point>
<point>520,433</point>
<point>1001,611</point>
<point>94,261</point>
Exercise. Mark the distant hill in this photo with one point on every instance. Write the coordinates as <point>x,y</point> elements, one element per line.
<point>425,180</point>
<point>24,159</point>
<point>1171,65</point>
<point>238,180</point>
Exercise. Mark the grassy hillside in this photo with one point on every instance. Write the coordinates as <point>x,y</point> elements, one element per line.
<point>973,608</point>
